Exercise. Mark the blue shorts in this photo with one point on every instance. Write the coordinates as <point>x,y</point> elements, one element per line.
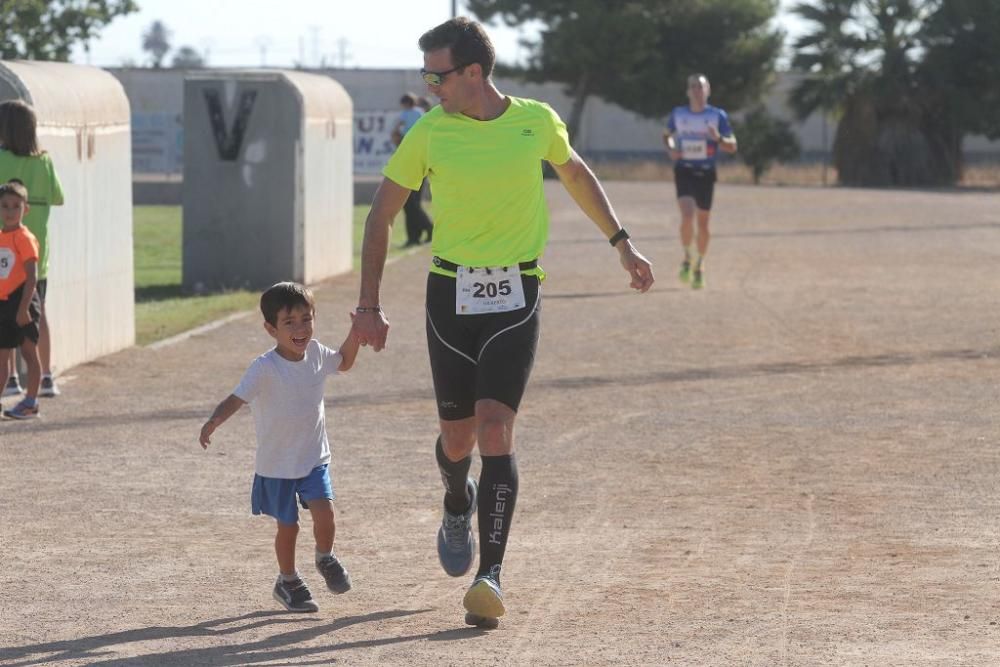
<point>276,497</point>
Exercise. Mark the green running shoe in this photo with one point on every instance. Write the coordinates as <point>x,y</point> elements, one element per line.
<point>699,280</point>
<point>685,274</point>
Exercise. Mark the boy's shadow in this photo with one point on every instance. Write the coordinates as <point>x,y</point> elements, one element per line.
<point>281,646</point>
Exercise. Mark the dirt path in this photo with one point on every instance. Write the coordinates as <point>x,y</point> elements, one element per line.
<point>796,466</point>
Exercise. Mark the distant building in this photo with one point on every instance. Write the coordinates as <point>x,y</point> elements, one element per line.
<point>607,131</point>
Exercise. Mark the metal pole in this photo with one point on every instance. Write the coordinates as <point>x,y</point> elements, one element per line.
<point>454,8</point>
<point>826,148</point>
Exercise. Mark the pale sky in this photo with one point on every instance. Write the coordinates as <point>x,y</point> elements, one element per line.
<point>351,33</point>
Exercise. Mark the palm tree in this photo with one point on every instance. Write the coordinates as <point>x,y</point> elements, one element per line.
<point>861,63</point>
<point>825,57</point>
<point>156,41</point>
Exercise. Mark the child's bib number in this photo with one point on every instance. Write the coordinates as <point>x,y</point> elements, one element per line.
<point>6,262</point>
<point>488,290</point>
<point>694,149</point>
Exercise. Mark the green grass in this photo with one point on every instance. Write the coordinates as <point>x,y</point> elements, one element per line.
<point>162,307</point>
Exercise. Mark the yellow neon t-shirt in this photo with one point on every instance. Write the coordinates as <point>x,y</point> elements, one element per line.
<point>486,180</point>
<point>44,190</point>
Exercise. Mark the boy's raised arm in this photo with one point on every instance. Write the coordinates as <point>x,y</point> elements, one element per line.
<point>226,409</point>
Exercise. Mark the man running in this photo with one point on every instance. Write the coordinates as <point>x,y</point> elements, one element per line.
<point>482,153</point>
<point>693,136</point>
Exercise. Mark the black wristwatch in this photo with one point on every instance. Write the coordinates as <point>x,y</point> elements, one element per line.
<point>619,235</point>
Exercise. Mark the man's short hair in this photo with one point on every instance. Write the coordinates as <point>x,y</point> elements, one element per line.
<point>695,77</point>
<point>16,187</point>
<point>467,41</point>
<point>408,99</point>
<point>283,296</point>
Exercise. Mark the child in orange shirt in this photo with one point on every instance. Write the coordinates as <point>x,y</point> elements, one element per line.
<point>20,307</point>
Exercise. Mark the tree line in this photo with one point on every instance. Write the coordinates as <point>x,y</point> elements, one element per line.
<point>904,80</point>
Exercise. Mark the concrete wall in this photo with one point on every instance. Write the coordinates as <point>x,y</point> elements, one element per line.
<point>267,178</point>
<point>83,122</point>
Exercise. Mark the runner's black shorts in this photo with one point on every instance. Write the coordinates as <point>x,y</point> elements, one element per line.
<point>479,356</point>
<point>12,334</point>
<point>696,183</point>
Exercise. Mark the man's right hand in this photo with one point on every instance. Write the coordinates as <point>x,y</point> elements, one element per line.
<point>371,328</point>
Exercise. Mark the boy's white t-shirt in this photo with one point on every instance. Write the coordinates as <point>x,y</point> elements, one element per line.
<point>286,399</point>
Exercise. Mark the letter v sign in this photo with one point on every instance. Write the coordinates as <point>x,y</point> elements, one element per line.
<point>229,143</point>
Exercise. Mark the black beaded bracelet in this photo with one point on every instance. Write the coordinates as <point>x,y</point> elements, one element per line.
<point>619,235</point>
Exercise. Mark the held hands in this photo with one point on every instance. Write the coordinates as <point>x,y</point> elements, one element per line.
<point>371,326</point>
<point>637,266</point>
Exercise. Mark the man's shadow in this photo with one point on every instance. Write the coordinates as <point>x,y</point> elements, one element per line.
<point>281,646</point>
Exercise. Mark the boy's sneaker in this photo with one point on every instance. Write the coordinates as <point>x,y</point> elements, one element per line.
<point>13,387</point>
<point>337,578</point>
<point>48,387</point>
<point>699,280</point>
<point>456,543</point>
<point>484,602</point>
<point>685,274</point>
<point>23,411</point>
<point>294,595</point>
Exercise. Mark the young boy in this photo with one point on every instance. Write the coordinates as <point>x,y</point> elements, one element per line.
<point>284,388</point>
<point>20,307</point>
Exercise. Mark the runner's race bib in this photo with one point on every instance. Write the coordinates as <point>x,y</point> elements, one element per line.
<point>694,149</point>
<point>494,289</point>
<point>7,259</point>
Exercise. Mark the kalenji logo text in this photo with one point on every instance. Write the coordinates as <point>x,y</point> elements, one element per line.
<point>502,494</point>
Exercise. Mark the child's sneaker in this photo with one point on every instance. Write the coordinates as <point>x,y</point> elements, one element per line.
<point>48,388</point>
<point>337,578</point>
<point>23,410</point>
<point>294,595</point>
<point>13,387</point>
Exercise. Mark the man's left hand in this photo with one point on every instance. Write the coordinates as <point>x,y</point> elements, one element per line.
<point>637,266</point>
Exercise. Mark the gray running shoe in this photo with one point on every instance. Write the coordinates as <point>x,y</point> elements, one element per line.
<point>13,387</point>
<point>294,595</point>
<point>484,602</point>
<point>48,388</point>
<point>456,543</point>
<point>337,578</point>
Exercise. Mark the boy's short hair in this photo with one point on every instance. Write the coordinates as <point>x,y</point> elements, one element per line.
<point>408,99</point>
<point>15,186</point>
<point>283,296</point>
<point>467,41</point>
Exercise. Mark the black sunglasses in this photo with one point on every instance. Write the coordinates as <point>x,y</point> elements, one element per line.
<point>435,78</point>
